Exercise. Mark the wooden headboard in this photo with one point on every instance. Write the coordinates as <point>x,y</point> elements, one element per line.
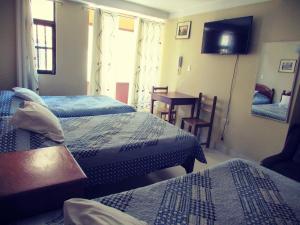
<point>263,89</point>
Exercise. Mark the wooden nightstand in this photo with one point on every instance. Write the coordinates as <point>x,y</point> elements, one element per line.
<point>36,181</point>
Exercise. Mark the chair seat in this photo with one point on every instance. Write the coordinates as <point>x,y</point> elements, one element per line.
<point>195,122</point>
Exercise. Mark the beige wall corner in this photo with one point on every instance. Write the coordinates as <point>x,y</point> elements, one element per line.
<point>7,44</point>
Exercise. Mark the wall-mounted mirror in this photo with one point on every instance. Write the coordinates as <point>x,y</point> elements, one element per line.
<point>275,80</point>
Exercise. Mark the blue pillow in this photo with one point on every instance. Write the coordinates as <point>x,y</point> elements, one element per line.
<point>259,99</point>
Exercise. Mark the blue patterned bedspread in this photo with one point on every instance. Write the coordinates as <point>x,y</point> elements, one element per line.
<point>233,193</point>
<point>270,110</point>
<point>68,106</point>
<point>110,148</point>
<point>8,103</point>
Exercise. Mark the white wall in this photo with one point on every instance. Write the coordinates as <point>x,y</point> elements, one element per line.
<point>7,44</point>
<point>71,52</point>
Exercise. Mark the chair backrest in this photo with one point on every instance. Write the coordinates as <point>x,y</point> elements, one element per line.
<point>160,89</point>
<point>207,105</point>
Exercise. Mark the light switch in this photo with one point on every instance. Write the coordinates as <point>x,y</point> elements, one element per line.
<point>188,68</point>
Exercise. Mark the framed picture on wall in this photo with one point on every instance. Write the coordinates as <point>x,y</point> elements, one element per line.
<point>287,65</point>
<point>183,30</point>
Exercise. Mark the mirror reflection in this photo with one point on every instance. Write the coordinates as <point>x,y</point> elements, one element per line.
<point>275,80</point>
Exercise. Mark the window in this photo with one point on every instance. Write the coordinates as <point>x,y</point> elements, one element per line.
<point>44,35</point>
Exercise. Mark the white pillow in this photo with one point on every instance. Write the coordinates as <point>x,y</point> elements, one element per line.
<point>285,101</point>
<point>28,95</point>
<point>87,212</point>
<point>39,119</point>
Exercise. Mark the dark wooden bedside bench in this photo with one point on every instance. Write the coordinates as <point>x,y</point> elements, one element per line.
<point>36,181</point>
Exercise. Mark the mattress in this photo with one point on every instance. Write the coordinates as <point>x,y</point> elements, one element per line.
<point>232,193</point>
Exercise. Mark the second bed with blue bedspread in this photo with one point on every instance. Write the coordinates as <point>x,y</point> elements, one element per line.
<point>110,148</point>
<point>68,106</point>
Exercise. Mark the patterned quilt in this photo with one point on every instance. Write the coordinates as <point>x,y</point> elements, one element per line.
<point>68,106</point>
<point>233,193</point>
<point>8,103</point>
<point>110,148</point>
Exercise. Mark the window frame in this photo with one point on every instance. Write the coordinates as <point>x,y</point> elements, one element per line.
<point>52,25</point>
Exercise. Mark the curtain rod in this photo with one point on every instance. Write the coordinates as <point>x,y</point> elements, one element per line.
<point>56,1</point>
<point>125,14</point>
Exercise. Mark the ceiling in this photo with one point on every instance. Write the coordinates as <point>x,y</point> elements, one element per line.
<point>170,6</point>
<point>178,8</point>
<point>165,9</point>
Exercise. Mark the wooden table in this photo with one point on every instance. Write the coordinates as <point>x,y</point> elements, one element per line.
<point>37,180</point>
<point>172,99</point>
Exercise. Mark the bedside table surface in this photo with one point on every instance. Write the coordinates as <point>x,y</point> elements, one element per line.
<point>24,171</point>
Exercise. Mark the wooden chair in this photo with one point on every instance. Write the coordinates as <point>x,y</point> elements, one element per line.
<point>195,123</point>
<point>164,111</point>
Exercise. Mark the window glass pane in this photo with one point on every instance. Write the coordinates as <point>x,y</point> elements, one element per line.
<point>49,37</point>
<point>42,9</point>
<point>126,23</point>
<point>49,59</point>
<point>42,59</point>
<point>91,17</point>
<point>41,36</point>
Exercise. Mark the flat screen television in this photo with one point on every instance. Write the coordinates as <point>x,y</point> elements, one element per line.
<point>230,36</point>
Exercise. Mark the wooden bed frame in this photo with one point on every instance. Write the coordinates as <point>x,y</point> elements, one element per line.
<point>263,89</point>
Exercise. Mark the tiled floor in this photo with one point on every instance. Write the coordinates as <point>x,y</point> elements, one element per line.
<point>213,157</point>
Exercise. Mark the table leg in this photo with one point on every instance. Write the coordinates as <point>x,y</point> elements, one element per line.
<point>152,105</point>
<point>170,112</point>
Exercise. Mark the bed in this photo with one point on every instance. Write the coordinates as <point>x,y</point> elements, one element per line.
<point>276,110</point>
<point>68,106</point>
<point>263,95</point>
<point>234,192</point>
<point>111,148</point>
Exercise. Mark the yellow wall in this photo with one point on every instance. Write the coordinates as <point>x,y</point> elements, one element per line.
<point>71,52</point>
<point>246,135</point>
<point>7,44</point>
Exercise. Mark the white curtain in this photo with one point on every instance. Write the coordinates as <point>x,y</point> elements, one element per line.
<point>26,72</point>
<point>110,26</point>
<point>147,71</point>
<point>103,59</point>
<point>95,87</point>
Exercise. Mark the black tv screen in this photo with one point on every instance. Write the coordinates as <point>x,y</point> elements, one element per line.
<point>230,36</point>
